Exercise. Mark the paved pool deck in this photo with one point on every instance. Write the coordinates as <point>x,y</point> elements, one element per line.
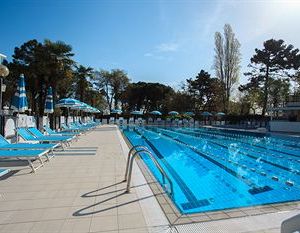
<point>82,190</point>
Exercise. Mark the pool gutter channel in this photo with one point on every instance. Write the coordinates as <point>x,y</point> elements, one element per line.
<point>175,217</point>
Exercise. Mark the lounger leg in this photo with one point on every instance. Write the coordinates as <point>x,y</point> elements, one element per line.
<point>41,161</point>
<point>52,153</point>
<point>31,165</point>
<point>47,157</point>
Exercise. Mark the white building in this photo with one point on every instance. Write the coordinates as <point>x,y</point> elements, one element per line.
<point>287,117</point>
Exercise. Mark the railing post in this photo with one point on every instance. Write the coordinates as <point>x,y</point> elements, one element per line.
<point>128,158</point>
<point>130,166</point>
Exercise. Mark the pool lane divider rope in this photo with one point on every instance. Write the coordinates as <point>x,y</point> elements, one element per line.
<point>254,188</point>
<point>193,202</point>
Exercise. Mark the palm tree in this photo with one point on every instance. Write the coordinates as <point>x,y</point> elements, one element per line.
<point>82,81</point>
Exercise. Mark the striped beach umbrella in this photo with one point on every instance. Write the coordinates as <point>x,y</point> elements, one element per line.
<point>19,101</point>
<point>49,101</point>
<point>67,103</point>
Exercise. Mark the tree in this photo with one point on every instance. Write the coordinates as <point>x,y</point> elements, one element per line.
<point>179,101</point>
<point>147,96</point>
<point>251,101</point>
<point>111,84</point>
<point>43,64</point>
<point>82,82</point>
<point>276,61</point>
<point>227,62</point>
<point>205,92</point>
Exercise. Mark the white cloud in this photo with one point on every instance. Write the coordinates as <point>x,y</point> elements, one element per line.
<point>167,47</point>
<point>160,50</point>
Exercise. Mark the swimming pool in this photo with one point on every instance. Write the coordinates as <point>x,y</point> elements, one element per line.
<point>214,169</point>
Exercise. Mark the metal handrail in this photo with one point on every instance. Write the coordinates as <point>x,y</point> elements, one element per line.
<point>154,160</point>
<point>129,154</point>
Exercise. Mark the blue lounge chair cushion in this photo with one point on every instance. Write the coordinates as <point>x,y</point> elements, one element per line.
<point>4,171</point>
<point>52,132</point>
<point>21,153</point>
<point>29,137</point>
<point>4,144</point>
<point>39,135</point>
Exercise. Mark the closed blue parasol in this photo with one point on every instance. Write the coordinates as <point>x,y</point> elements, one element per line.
<point>19,102</point>
<point>49,101</point>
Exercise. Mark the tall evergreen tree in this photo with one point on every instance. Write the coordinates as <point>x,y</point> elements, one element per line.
<point>276,61</point>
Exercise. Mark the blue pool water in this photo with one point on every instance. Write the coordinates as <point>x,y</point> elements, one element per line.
<point>214,169</point>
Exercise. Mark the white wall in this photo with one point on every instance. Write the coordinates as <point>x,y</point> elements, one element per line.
<point>285,126</point>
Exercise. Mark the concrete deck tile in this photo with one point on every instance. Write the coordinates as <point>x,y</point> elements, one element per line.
<point>76,225</point>
<point>104,223</point>
<point>53,226</point>
<point>131,221</point>
<point>17,227</point>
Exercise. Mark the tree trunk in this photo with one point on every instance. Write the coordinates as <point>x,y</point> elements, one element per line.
<point>266,92</point>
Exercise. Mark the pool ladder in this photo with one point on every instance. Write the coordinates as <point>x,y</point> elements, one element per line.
<point>133,152</point>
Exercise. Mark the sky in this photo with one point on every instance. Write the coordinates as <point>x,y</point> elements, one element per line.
<point>152,40</point>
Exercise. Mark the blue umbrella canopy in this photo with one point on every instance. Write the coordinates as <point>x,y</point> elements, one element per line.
<point>206,114</point>
<point>80,106</point>
<point>158,113</point>
<point>68,103</point>
<point>173,113</point>
<point>19,101</point>
<point>116,111</point>
<point>136,113</point>
<point>85,107</point>
<point>220,114</point>
<point>95,110</point>
<point>49,101</point>
<point>189,113</point>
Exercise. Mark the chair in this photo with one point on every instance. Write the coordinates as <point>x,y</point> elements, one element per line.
<point>80,126</point>
<point>111,120</point>
<point>28,155</point>
<point>4,171</point>
<point>26,135</point>
<point>70,128</point>
<point>6,145</point>
<point>38,134</point>
<point>50,131</point>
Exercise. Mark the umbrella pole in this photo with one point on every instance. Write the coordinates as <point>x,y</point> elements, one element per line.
<point>17,119</point>
<point>67,120</point>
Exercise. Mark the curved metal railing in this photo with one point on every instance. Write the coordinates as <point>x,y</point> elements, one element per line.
<point>128,173</point>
